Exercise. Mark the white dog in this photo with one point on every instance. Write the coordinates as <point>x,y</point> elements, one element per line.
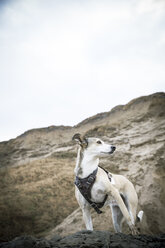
<point>95,187</point>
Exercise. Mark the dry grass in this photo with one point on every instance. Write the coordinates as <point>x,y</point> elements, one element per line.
<point>32,196</point>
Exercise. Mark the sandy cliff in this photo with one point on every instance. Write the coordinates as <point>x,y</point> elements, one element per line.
<point>36,186</point>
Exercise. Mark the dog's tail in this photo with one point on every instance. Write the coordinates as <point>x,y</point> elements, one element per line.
<point>139,216</point>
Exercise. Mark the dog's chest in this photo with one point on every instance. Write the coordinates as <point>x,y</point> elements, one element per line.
<point>98,192</point>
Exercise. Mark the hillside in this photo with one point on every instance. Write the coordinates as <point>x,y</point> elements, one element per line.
<point>36,170</point>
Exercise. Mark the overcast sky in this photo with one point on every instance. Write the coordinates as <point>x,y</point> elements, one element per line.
<point>62,61</point>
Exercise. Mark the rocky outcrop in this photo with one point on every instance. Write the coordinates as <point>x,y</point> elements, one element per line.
<point>88,239</point>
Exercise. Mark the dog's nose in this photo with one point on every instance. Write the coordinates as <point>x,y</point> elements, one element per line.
<point>113,148</point>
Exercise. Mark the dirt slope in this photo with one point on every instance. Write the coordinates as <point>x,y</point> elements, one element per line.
<point>36,173</point>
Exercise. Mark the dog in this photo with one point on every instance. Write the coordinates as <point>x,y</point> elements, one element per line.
<point>95,187</point>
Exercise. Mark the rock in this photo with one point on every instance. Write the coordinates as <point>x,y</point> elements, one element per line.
<point>89,239</point>
<point>20,242</point>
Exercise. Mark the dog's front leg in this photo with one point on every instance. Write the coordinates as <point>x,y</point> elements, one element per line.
<point>112,192</point>
<point>85,207</point>
<point>87,217</point>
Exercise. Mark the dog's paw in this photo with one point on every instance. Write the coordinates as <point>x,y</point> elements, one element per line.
<point>134,230</point>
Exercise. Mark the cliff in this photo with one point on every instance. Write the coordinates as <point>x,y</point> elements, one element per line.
<point>36,171</point>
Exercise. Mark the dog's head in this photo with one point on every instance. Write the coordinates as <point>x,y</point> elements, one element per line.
<point>94,146</point>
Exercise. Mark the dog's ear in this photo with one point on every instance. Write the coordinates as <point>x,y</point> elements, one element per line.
<point>77,137</point>
<point>82,141</point>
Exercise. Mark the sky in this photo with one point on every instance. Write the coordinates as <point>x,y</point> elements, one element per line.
<point>62,61</point>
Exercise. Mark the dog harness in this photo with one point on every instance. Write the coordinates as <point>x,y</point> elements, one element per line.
<point>85,185</point>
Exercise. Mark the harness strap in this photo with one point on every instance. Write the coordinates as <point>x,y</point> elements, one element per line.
<point>108,174</point>
<point>85,185</point>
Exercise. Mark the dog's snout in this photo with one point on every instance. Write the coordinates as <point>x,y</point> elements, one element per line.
<point>113,148</point>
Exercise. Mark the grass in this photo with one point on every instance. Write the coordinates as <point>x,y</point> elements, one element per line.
<point>36,197</point>
<point>64,155</point>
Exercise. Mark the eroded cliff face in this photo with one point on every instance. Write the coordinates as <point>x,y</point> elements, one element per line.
<point>36,187</point>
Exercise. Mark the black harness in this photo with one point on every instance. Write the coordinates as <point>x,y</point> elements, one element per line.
<point>85,185</point>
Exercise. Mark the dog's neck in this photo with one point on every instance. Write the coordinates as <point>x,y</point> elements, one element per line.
<point>85,163</point>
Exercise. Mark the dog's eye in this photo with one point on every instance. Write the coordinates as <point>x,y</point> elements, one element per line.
<point>99,142</point>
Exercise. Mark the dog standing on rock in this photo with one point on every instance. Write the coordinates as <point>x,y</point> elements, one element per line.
<point>96,187</point>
